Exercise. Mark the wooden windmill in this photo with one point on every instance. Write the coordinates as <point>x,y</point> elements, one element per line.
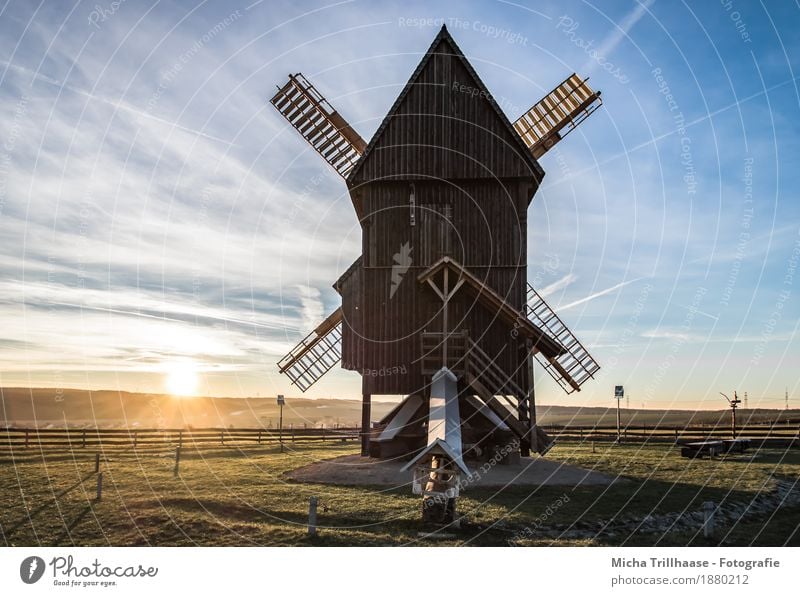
<point>437,308</point>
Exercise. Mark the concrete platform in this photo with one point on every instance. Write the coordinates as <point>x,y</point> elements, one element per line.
<point>354,470</point>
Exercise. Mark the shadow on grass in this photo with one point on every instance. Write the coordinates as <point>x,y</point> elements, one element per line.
<point>51,502</point>
<point>68,528</point>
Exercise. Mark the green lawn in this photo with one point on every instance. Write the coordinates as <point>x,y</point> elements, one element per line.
<point>235,496</point>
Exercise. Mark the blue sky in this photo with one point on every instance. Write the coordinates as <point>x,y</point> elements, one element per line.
<point>156,214</point>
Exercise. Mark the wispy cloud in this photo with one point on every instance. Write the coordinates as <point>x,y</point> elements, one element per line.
<point>146,217</point>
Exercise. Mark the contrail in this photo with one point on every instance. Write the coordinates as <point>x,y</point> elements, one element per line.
<point>598,294</point>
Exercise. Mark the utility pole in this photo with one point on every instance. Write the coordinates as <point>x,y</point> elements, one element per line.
<point>787,398</point>
<point>734,404</point>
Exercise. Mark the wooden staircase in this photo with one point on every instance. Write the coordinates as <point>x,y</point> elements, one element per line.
<point>485,377</point>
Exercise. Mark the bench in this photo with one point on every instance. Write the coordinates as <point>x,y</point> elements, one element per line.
<point>702,448</point>
<point>714,447</point>
<point>736,445</point>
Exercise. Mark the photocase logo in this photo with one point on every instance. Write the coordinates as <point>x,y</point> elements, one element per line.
<point>31,569</point>
<point>402,261</point>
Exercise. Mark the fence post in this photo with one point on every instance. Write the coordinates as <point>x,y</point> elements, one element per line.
<point>180,439</point>
<point>83,442</point>
<point>312,516</point>
<point>222,437</point>
<point>259,437</point>
<point>323,433</point>
<point>99,486</point>
<point>135,439</point>
<point>708,516</point>
<point>177,462</point>
<point>27,441</point>
<point>292,434</point>
<point>96,463</point>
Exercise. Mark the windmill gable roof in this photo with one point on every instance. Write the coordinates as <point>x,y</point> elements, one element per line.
<point>445,125</point>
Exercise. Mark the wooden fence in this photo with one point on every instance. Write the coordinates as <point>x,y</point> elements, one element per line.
<point>775,434</point>
<point>771,433</point>
<point>76,438</point>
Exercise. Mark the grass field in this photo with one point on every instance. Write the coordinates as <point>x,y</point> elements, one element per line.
<point>235,496</point>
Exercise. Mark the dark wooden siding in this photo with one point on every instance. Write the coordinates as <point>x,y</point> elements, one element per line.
<point>444,128</point>
<point>479,223</point>
<point>350,287</point>
<point>472,180</point>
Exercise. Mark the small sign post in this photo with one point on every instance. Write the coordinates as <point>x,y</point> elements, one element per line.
<point>619,393</point>
<point>281,402</point>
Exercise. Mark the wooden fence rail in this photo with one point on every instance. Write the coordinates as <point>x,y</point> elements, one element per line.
<point>154,437</point>
<point>640,433</point>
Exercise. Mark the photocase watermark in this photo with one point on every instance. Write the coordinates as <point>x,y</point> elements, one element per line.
<point>402,261</point>
<point>31,569</point>
<point>744,235</point>
<point>100,14</point>
<point>530,530</point>
<point>10,144</point>
<point>385,371</point>
<point>504,104</point>
<point>737,19</point>
<point>465,481</point>
<point>777,311</point>
<point>183,59</point>
<point>67,573</point>
<point>629,330</point>
<point>677,343</point>
<point>309,187</point>
<point>487,29</point>
<point>549,267</point>
<point>569,27</point>
<point>689,176</point>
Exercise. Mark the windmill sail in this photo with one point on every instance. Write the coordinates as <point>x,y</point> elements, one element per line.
<point>572,368</point>
<point>319,124</point>
<point>557,114</point>
<point>316,354</point>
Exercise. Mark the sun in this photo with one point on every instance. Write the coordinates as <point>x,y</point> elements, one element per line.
<point>181,379</point>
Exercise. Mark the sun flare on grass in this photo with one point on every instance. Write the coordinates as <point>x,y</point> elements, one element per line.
<point>181,379</point>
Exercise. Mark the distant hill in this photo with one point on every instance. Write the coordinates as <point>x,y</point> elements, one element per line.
<point>119,409</point>
<point>576,416</point>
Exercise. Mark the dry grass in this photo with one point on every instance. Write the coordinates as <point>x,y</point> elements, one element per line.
<point>236,496</point>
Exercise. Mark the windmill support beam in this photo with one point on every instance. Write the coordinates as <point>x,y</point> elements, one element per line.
<point>532,404</point>
<point>524,419</point>
<point>366,414</point>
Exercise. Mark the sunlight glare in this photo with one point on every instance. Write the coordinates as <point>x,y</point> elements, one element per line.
<point>182,379</point>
